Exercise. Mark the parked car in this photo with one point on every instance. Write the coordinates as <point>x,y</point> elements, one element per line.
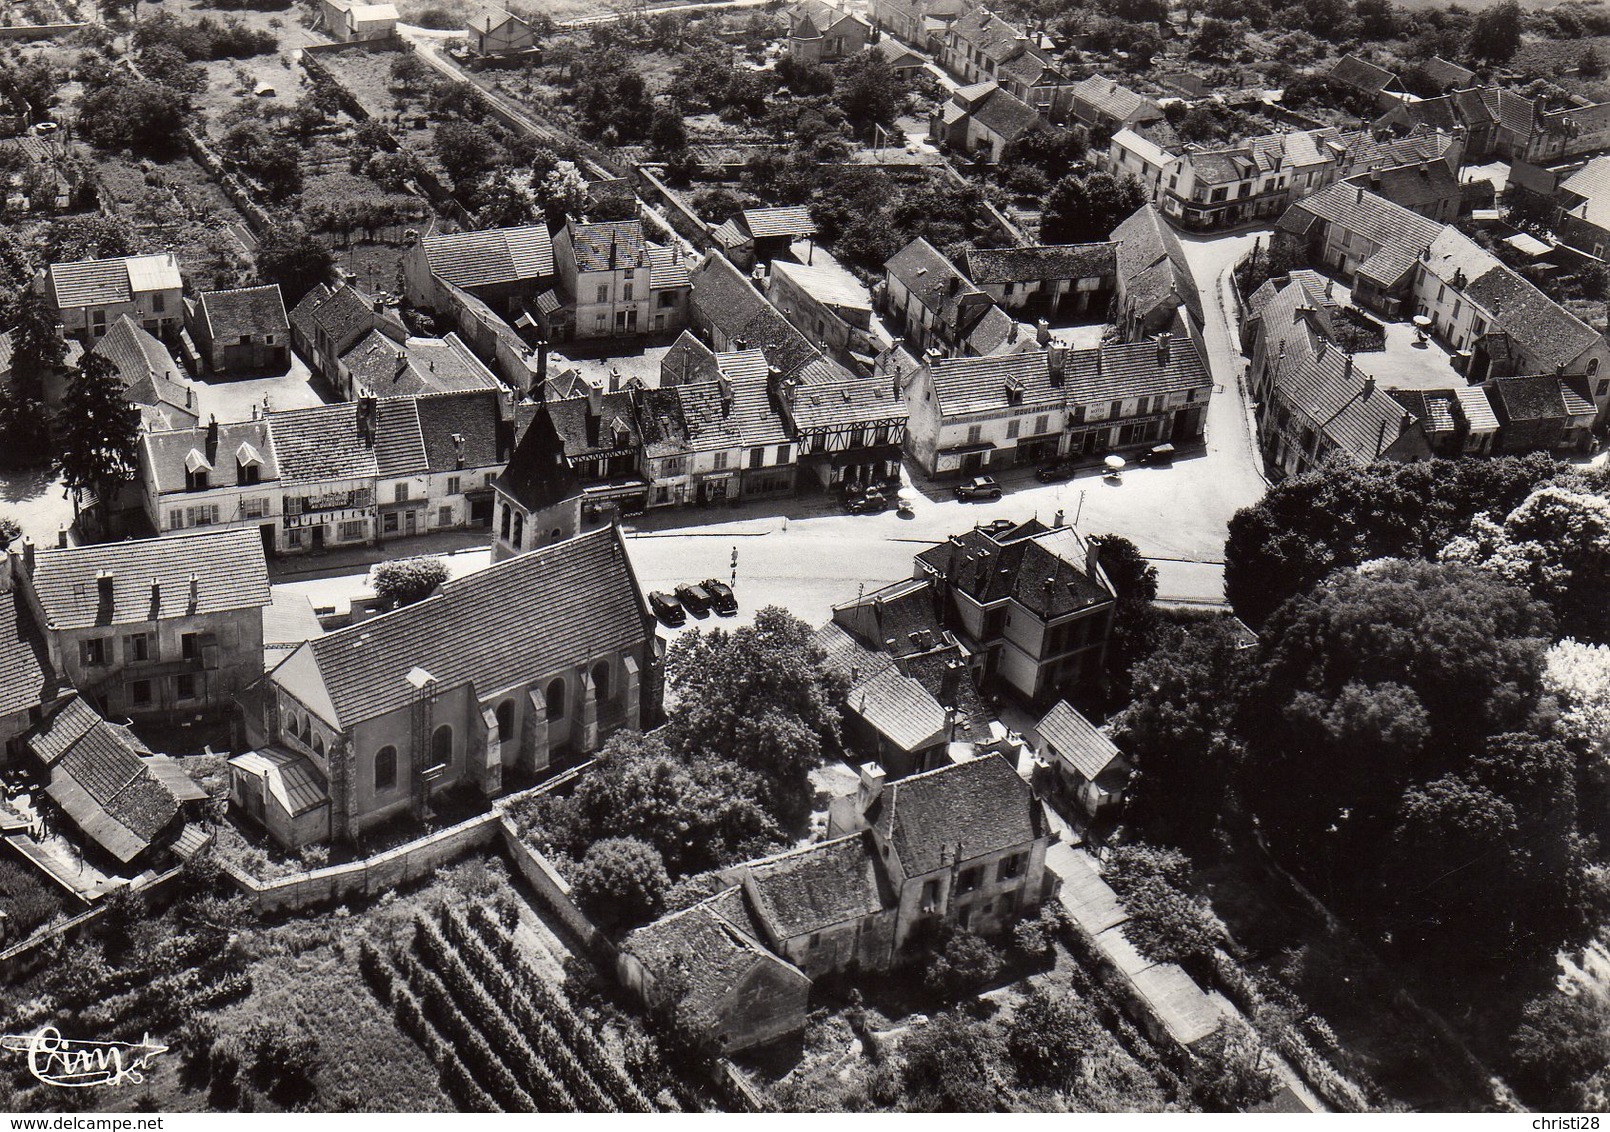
<point>1158,454</point>
<point>1057,472</point>
<point>868,503</point>
<point>667,608</point>
<point>692,599</point>
<point>997,526</point>
<point>979,487</point>
<point>719,595</point>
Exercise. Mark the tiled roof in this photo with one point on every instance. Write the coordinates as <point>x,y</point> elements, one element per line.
<point>1041,263</point>
<point>1551,335</point>
<point>151,378</point>
<point>550,609</point>
<point>659,415</point>
<point>1591,183</point>
<point>388,368</point>
<point>1086,748</point>
<point>97,282</point>
<point>808,890</point>
<point>752,410</point>
<point>826,285</point>
<point>1152,268</point>
<point>1478,409</point>
<point>1412,186</point>
<point>936,283</point>
<point>1361,74</point>
<point>1044,573</point>
<point>165,453</point>
<point>26,677</point>
<point>486,20</point>
<point>707,416</point>
<point>959,812</point>
<point>228,567</point>
<point>99,779</point>
<point>475,418</point>
<point>608,245</point>
<point>1442,113</point>
<point>1528,398</point>
<point>667,268</point>
<point>538,474</point>
<point>1400,235</point>
<point>703,951</point>
<point>1446,74</point>
<point>1510,110</point>
<point>863,400</point>
<point>343,314</point>
<point>324,443</point>
<point>489,258</point>
<point>725,300</point>
<point>789,220</point>
<point>1365,151</point>
<point>688,359</point>
<point>244,311</point>
<point>1115,100</point>
<point>1006,115</point>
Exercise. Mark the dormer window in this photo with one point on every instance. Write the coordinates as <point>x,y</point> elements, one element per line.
<point>248,465</point>
<point>196,471</point>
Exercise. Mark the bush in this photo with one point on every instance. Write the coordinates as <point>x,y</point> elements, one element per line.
<point>620,883</point>
<point>408,580</point>
<point>964,964</point>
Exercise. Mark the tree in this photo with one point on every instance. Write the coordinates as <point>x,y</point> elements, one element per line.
<point>1135,621</point>
<point>38,350</point>
<point>10,531</point>
<point>964,964</point>
<point>1048,1037</point>
<point>1495,33</point>
<point>1578,676</point>
<point>621,882</point>
<point>1229,1074</point>
<point>407,580</point>
<point>760,697</point>
<point>133,114</point>
<point>74,238</point>
<point>165,64</point>
<point>717,204</point>
<point>1563,1039</point>
<point>466,151</point>
<point>1217,39</point>
<point>24,431</point>
<point>1307,526</point>
<point>563,192</point>
<point>700,812</point>
<point>98,436</point>
<point>294,260</point>
<point>867,91</point>
<point>1082,210</point>
<point>1377,19</point>
<point>667,133</point>
<point>1166,924</point>
<point>946,1066</point>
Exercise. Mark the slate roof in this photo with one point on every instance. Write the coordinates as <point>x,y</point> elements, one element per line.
<point>494,257</point>
<point>608,244</point>
<point>151,378</point>
<point>100,780</point>
<point>26,677</point>
<point>1551,335</point>
<point>552,608</point>
<point>1360,74</point>
<point>1536,399</point>
<point>789,220</point>
<point>228,566</point>
<point>1085,748</point>
<point>98,282</point>
<point>808,890</point>
<point>1591,185</point>
<point>538,474</point>
<point>243,312</point>
<point>476,417</point>
<point>688,359</point>
<point>1044,573</point>
<point>959,812</point>
<point>1152,268</point>
<point>165,453</point>
<point>1447,74</point>
<point>1041,263</point>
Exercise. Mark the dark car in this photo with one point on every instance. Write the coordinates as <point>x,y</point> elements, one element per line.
<point>1057,472</point>
<point>1158,454</point>
<point>997,526</point>
<point>869,503</point>
<point>692,599</point>
<point>720,596</point>
<point>979,487</point>
<point>666,608</point>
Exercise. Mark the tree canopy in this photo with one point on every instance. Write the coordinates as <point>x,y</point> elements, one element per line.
<point>1084,210</point>
<point>98,430</point>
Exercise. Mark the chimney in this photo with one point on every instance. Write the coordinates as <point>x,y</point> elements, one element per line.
<point>955,284</point>
<point>105,585</point>
<point>595,399</point>
<point>402,364</point>
<point>190,399</point>
<point>195,591</point>
<point>156,595</point>
<point>1360,199</point>
<point>1092,556</point>
<point>1042,332</point>
<point>1369,387</point>
<point>726,395</point>
<point>458,449</point>
<point>1347,370</point>
<point>740,343</point>
<point>61,537</point>
<point>542,359</point>
<point>950,682</point>
<point>1056,362</point>
<point>1162,348</point>
<point>1011,335</point>
<point>366,418</point>
<point>872,779</point>
<point>28,555</point>
<point>212,440</point>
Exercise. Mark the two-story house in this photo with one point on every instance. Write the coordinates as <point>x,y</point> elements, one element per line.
<point>1153,276</point>
<point>1106,105</point>
<point>618,282</point>
<point>1051,281</point>
<point>844,433</point>
<point>533,660</point>
<point>932,304</point>
<point>819,32</point>
<point>244,330</point>
<point>1033,602</point>
<point>503,267</point>
<point>153,628</point>
<point>90,295</point>
<point>328,323</point>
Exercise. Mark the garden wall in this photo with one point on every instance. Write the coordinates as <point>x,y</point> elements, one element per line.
<point>21,958</point>
<point>38,31</point>
<point>371,877</point>
<point>682,219</point>
<point>554,893</point>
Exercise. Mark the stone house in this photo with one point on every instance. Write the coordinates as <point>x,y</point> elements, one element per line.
<point>241,331</point>
<point>981,120</point>
<point>1106,105</point>
<point>503,267</point>
<point>819,32</point>
<point>29,683</point>
<point>1153,277</point>
<point>929,302</point>
<point>155,629</point>
<point>1051,280</point>
<point>347,21</point>
<point>534,660</point>
<point>833,312</point>
<point>1089,762</point>
<point>618,282</point>
<point>1032,603</point>
<point>493,31</point>
<point>152,380</point>
<point>89,296</point>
